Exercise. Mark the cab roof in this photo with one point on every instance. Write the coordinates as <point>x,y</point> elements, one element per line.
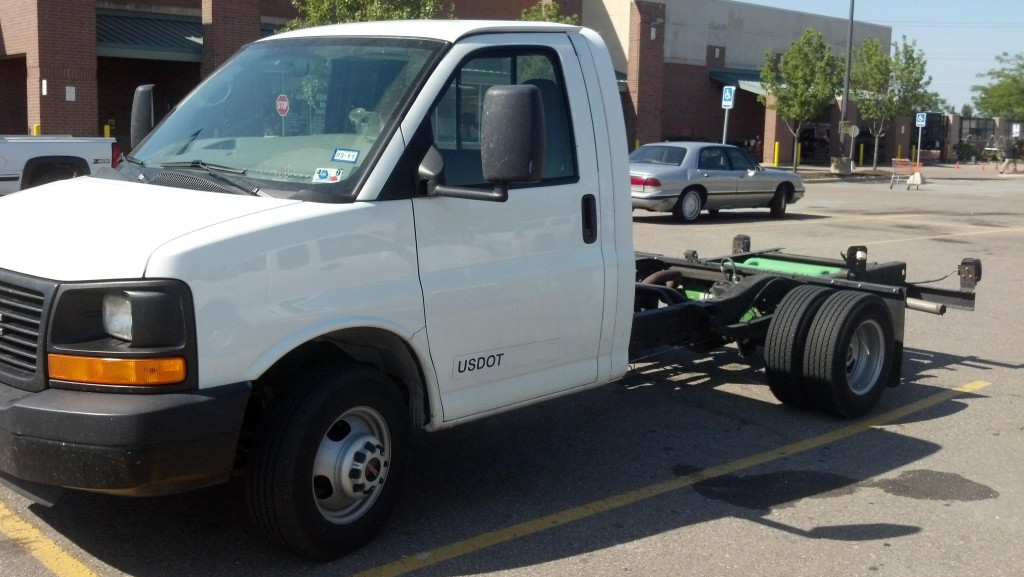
<point>445,30</point>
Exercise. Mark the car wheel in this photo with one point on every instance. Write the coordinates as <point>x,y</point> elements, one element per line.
<point>850,353</point>
<point>785,343</point>
<point>327,460</point>
<point>778,205</point>
<point>688,207</point>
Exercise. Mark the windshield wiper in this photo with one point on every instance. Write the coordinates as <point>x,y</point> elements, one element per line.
<point>218,171</point>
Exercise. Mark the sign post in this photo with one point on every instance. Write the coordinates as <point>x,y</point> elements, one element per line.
<point>920,120</point>
<point>728,95</point>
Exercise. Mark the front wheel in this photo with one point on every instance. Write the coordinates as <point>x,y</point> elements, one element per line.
<point>688,207</point>
<point>778,204</point>
<point>850,353</point>
<point>327,461</point>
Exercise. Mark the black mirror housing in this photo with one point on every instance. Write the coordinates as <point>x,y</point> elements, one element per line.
<point>512,134</point>
<point>142,114</point>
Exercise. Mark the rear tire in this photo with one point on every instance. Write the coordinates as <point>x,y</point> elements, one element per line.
<point>785,344</point>
<point>327,461</point>
<point>849,355</point>
<point>688,207</point>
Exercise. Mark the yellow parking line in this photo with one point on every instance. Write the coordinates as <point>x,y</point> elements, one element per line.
<point>560,518</point>
<point>50,554</point>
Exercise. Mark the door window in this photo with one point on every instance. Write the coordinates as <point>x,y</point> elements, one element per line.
<point>456,116</point>
<point>713,159</point>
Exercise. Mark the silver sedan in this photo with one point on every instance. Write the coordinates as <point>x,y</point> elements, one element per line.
<point>685,178</point>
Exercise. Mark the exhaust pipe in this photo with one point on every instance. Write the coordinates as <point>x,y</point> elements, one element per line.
<point>926,306</point>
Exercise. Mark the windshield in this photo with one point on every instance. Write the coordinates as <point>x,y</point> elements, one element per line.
<point>293,114</point>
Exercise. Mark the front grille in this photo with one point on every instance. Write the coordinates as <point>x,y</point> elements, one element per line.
<point>21,312</point>
<point>24,312</point>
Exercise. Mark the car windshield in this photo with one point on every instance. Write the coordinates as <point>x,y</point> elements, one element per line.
<point>288,115</point>
<point>658,155</point>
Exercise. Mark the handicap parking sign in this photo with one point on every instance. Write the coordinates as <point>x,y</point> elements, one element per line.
<point>727,96</point>
<point>922,119</point>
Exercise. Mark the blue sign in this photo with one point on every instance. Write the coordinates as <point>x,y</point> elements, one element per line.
<point>728,92</point>
<point>922,119</point>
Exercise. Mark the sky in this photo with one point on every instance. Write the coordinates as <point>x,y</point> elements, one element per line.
<point>960,38</point>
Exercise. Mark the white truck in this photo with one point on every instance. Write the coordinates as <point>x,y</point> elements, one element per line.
<point>27,161</point>
<point>350,232</point>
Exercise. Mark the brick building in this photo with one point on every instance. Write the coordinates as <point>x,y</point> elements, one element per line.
<point>76,73</point>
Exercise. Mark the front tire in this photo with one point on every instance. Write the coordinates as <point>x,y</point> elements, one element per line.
<point>328,460</point>
<point>688,207</point>
<point>850,352</point>
<point>779,201</point>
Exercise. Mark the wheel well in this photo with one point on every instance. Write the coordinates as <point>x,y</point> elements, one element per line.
<point>700,190</point>
<point>378,348</point>
<point>38,167</point>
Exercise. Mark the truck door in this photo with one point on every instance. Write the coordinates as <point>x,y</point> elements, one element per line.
<point>514,291</point>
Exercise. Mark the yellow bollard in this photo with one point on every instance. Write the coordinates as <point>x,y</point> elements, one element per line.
<point>36,130</point>
<point>106,131</point>
<point>775,158</point>
<point>860,157</point>
<point>799,153</point>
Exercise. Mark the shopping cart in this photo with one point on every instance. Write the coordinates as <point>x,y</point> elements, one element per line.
<point>905,171</point>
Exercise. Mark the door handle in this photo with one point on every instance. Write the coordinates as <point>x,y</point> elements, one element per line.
<point>588,206</point>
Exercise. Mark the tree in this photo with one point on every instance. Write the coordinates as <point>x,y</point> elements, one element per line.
<point>1004,97</point>
<point>967,111</point>
<point>802,83</point>
<point>889,86</point>
<point>320,12</point>
<point>548,11</point>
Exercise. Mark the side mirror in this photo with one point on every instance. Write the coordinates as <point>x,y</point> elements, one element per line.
<point>512,134</point>
<point>511,145</point>
<point>142,114</point>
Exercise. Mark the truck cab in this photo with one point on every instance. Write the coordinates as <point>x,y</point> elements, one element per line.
<point>374,227</point>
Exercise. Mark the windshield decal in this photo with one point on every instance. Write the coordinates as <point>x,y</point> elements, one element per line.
<point>328,175</point>
<point>345,155</point>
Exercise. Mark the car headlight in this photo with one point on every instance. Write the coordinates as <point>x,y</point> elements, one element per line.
<point>117,316</point>
<point>133,334</point>
<point>143,318</point>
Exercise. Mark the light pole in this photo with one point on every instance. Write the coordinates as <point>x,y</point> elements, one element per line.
<point>846,89</point>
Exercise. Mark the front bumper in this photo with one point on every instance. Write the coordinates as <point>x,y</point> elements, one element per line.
<point>125,444</point>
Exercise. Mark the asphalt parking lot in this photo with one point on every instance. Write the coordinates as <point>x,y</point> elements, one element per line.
<point>688,466</point>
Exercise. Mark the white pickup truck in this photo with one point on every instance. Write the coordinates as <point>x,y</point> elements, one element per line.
<point>350,232</point>
<point>27,161</point>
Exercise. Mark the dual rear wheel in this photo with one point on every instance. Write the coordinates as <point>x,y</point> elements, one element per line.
<point>830,350</point>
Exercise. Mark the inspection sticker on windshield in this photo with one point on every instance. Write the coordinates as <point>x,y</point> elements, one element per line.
<point>345,155</point>
<point>328,175</point>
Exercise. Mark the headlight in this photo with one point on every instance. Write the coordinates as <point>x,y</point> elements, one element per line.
<point>133,334</point>
<point>117,316</point>
<point>143,318</point>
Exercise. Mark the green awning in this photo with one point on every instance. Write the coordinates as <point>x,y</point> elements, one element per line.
<point>149,36</point>
<point>749,80</point>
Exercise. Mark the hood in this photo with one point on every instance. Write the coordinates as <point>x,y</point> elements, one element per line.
<point>92,229</point>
